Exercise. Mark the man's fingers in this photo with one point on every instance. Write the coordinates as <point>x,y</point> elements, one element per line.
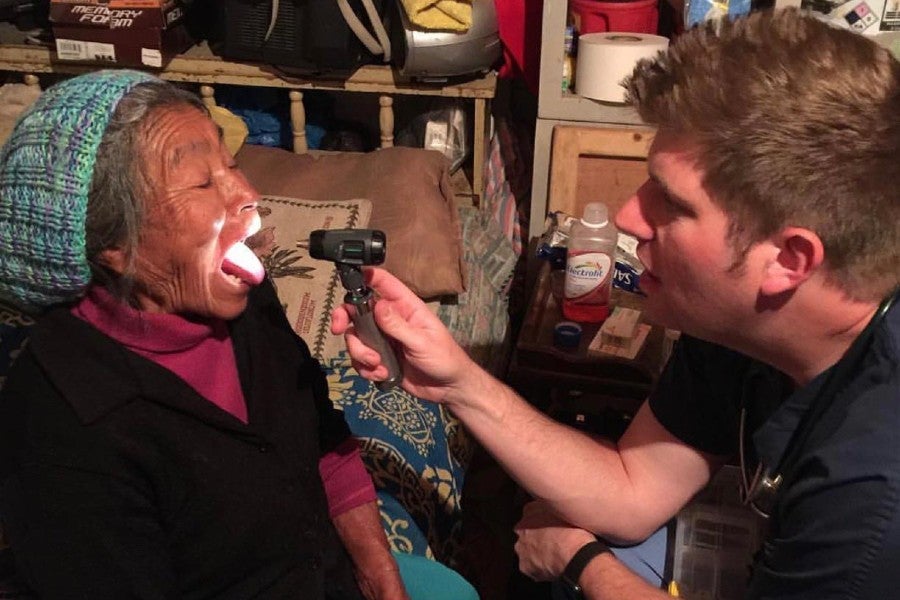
<point>390,288</point>
<point>340,321</point>
<point>362,355</point>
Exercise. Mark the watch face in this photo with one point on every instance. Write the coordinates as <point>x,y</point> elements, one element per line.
<point>573,590</point>
<point>577,564</point>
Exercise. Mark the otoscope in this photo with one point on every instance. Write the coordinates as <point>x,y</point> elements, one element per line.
<point>350,249</point>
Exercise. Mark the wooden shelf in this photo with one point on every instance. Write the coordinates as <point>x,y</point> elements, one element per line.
<point>553,102</point>
<point>200,65</point>
<point>558,108</point>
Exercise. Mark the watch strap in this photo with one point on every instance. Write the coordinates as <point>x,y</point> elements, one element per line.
<point>577,564</point>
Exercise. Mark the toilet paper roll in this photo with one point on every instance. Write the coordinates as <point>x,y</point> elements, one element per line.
<point>605,59</point>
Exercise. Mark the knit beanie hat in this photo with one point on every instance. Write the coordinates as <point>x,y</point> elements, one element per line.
<point>46,168</point>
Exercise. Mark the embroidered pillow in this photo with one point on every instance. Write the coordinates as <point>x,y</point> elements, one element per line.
<point>309,289</point>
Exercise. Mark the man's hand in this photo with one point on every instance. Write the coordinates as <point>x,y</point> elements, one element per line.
<point>546,544</point>
<point>434,366</point>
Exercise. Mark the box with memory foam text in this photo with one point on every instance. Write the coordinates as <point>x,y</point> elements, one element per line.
<point>133,33</point>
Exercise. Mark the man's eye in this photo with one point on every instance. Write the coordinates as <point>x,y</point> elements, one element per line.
<point>205,185</point>
<point>672,205</point>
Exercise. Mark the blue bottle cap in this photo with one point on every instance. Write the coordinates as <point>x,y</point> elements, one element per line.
<point>566,334</point>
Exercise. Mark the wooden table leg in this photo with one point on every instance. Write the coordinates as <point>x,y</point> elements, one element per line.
<point>480,147</point>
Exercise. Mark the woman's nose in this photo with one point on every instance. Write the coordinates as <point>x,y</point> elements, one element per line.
<point>242,201</point>
<point>242,197</point>
<point>247,211</point>
<point>249,205</point>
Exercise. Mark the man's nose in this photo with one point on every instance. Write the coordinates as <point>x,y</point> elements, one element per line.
<point>630,219</point>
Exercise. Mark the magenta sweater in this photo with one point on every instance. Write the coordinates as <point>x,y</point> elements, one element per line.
<point>180,345</point>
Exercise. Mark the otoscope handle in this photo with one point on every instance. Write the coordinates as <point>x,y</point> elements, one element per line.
<point>368,332</point>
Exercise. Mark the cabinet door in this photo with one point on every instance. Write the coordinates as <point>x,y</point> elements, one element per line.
<point>596,164</point>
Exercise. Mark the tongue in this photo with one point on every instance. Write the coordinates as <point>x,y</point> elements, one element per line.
<point>242,263</point>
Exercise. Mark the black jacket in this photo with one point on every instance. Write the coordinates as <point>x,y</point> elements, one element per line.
<point>117,480</point>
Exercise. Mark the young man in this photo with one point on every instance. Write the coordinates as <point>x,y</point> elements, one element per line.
<point>770,233</point>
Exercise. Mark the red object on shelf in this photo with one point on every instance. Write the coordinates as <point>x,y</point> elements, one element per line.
<point>519,22</point>
<point>593,16</point>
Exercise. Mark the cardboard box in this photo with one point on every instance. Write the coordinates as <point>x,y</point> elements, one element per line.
<point>134,33</point>
<point>862,16</point>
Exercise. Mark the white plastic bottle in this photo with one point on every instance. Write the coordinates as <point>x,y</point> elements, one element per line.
<point>590,263</point>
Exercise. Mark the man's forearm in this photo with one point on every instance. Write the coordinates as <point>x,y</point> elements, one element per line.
<point>581,477</point>
<point>620,491</point>
<point>607,578</point>
<point>363,536</point>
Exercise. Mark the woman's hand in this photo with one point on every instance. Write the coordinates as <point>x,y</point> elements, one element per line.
<point>434,366</point>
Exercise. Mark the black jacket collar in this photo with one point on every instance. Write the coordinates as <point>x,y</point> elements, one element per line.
<point>99,375</point>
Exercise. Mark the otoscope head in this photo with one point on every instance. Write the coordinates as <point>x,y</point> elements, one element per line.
<point>355,247</point>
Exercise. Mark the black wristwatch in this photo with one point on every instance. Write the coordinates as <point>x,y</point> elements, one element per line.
<point>572,572</point>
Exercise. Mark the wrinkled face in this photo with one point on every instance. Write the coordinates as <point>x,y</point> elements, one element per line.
<point>690,279</point>
<point>191,257</point>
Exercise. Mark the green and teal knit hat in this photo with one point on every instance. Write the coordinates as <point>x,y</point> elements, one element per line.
<point>46,167</point>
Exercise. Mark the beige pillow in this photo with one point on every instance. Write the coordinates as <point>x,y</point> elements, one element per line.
<point>412,202</point>
<point>308,289</point>
<point>14,99</point>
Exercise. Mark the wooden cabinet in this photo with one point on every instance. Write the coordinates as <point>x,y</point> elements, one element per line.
<point>596,163</point>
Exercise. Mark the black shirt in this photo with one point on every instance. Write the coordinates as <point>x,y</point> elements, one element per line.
<point>835,528</point>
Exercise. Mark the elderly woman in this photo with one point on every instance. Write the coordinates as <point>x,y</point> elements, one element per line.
<point>164,434</point>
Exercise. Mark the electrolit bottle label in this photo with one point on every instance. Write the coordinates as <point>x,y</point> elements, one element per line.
<point>586,275</point>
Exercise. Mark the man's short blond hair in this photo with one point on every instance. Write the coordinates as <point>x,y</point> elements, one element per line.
<point>796,123</point>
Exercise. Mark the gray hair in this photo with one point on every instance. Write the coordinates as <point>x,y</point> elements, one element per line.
<point>120,184</point>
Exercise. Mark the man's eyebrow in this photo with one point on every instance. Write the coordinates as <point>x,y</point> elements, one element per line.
<point>673,198</point>
<point>662,184</point>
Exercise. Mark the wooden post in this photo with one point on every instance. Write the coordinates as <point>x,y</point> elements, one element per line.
<point>207,96</point>
<point>480,147</point>
<point>298,122</point>
<point>386,121</point>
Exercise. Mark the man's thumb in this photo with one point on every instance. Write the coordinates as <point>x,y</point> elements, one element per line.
<point>392,324</point>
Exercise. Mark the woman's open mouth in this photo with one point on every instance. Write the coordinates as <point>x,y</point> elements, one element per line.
<point>240,263</point>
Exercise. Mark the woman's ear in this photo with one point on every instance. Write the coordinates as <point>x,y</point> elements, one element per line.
<point>113,259</point>
<point>800,253</point>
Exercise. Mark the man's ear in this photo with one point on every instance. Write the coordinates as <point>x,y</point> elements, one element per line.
<point>113,259</point>
<point>799,253</point>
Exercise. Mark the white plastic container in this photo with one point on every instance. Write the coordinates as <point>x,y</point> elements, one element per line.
<point>590,264</point>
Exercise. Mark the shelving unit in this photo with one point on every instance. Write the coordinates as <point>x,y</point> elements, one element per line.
<point>557,107</point>
<point>553,102</point>
<point>200,65</point>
